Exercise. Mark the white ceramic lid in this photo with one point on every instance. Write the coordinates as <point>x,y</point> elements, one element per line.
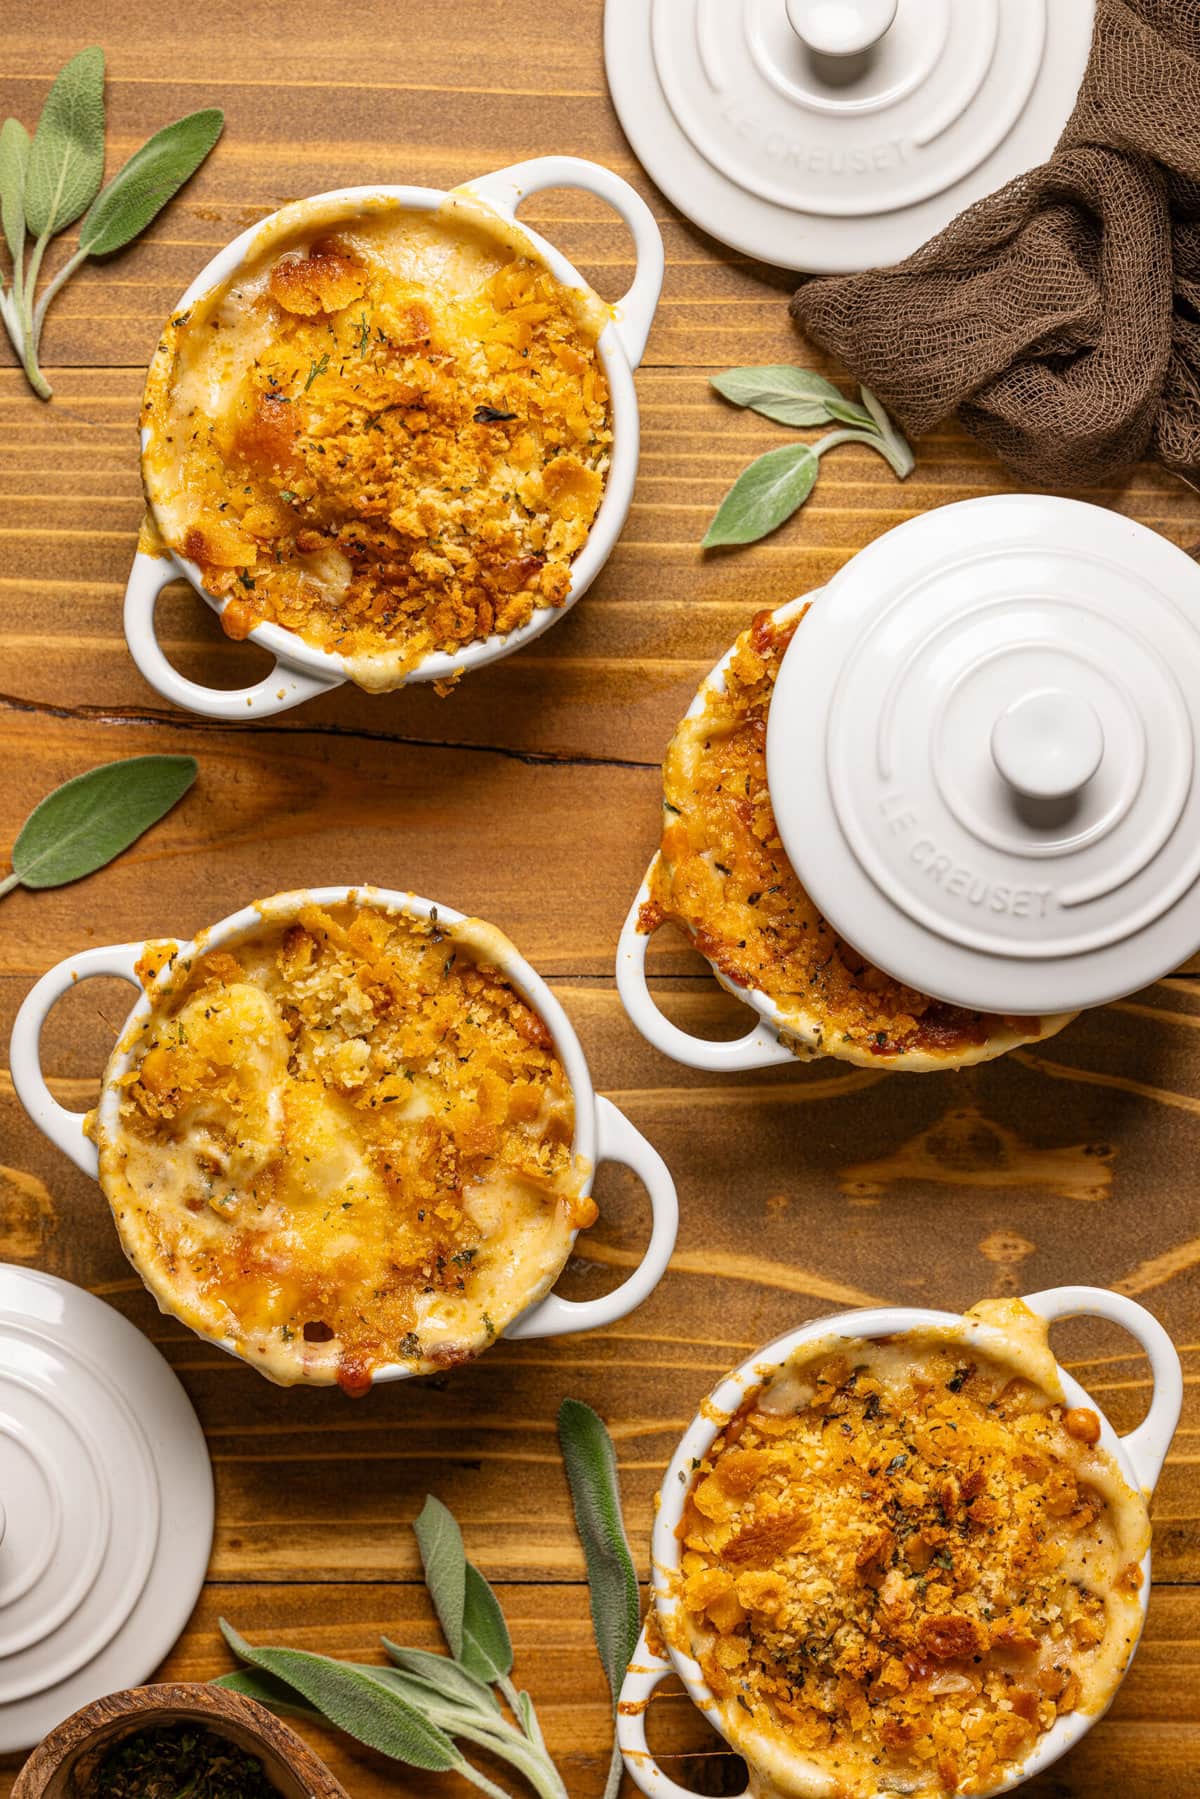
<point>982,754</point>
<point>107,1503</point>
<point>832,135</point>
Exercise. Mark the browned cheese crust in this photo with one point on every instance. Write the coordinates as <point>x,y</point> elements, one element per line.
<point>906,1567</point>
<point>385,462</point>
<point>723,877</point>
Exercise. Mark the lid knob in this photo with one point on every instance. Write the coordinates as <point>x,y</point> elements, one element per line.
<point>1048,744</point>
<point>840,27</point>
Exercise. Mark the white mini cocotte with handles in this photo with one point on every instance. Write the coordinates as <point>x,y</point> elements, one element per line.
<point>301,672</point>
<point>983,758</point>
<point>602,1133</point>
<point>1140,1456</point>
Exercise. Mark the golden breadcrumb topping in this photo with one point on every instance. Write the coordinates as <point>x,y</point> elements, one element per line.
<point>902,1562</point>
<point>391,438</point>
<point>345,1141</point>
<point>724,877</point>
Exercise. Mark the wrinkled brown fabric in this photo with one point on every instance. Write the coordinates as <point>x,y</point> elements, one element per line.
<point>1061,315</point>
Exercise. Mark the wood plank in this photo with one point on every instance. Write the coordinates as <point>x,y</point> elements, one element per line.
<point>531,796</point>
<point>609,681</point>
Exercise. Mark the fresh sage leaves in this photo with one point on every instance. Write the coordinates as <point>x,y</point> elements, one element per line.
<point>445,1563</point>
<point>66,161</point>
<point>789,396</point>
<point>361,1704</point>
<point>418,1710</point>
<point>86,822</point>
<point>765,494</point>
<point>46,184</point>
<point>777,483</point>
<point>591,1465</point>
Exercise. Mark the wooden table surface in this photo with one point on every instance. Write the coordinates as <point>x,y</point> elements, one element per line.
<point>530,797</point>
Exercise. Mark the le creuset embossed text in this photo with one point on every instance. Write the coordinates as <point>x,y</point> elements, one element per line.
<point>831,135</point>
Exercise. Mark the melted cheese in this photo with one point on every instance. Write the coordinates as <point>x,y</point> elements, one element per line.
<point>343,1142</point>
<point>904,1559</point>
<point>723,876</point>
<point>388,431</point>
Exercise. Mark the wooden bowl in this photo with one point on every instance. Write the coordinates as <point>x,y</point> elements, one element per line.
<point>72,1752</point>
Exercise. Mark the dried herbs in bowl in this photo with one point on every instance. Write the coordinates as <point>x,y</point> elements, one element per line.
<point>179,1761</point>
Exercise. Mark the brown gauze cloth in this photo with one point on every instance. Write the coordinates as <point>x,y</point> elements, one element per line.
<point>1061,315</point>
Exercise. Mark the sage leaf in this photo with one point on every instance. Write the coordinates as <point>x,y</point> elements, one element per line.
<point>490,1730</point>
<point>151,177</point>
<point>891,445</point>
<point>529,1718</point>
<point>487,1647</point>
<point>763,495</point>
<point>84,823</point>
<point>415,1709</point>
<point>442,1703</point>
<point>787,395</point>
<point>901,461</point>
<point>444,1560</point>
<point>447,1676</point>
<point>591,1466</point>
<point>269,1690</point>
<point>14,162</point>
<point>46,183</point>
<point>356,1702</point>
<point>66,160</point>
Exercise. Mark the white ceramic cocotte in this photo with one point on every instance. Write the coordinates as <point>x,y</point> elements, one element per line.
<point>983,756</point>
<point>1140,1456</point>
<point>301,671</point>
<point>602,1133</point>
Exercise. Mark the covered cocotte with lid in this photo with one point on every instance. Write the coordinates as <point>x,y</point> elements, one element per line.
<point>983,760</point>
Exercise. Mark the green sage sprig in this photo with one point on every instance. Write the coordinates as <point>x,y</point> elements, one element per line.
<point>49,180</point>
<point>418,1710</point>
<point>591,1465</point>
<point>84,823</point>
<point>777,483</point>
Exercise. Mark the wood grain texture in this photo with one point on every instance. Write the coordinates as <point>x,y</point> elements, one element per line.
<point>530,796</point>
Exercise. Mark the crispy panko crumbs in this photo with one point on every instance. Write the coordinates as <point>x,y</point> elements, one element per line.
<point>903,1576</point>
<point>404,467</point>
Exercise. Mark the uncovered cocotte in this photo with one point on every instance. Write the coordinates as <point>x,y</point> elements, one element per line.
<point>899,1551</point>
<point>390,434</point>
<point>348,1135</point>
